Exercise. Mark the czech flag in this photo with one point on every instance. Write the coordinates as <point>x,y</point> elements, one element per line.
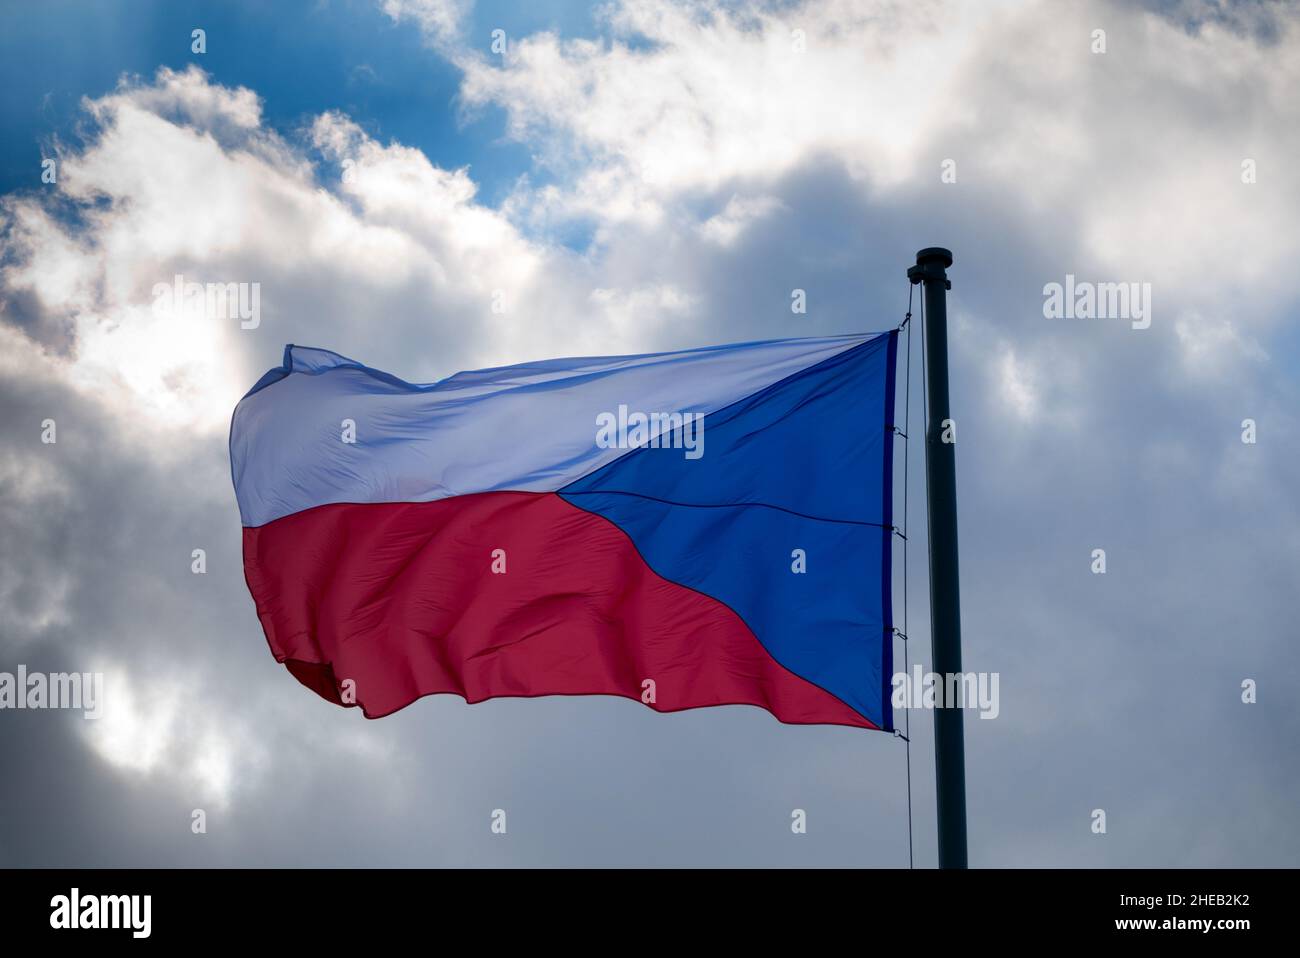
<point>703,527</point>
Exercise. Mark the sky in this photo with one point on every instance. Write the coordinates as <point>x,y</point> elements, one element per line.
<point>638,176</point>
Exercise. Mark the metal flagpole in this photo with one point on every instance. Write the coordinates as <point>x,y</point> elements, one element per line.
<point>945,597</point>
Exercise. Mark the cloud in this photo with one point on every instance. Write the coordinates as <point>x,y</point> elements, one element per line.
<point>439,21</point>
<point>683,100</point>
<point>724,228</point>
<point>362,237</point>
<point>691,97</point>
<point>1210,347</point>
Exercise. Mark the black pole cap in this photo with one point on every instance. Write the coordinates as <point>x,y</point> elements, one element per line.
<point>930,265</point>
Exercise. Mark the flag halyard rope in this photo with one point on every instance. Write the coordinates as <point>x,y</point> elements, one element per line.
<point>903,433</point>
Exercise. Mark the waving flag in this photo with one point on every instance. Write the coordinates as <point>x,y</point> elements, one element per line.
<point>703,527</point>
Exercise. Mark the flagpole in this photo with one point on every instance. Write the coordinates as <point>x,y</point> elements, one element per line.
<point>945,597</point>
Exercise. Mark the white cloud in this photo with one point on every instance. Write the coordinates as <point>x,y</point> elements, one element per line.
<point>710,94</point>
<point>439,21</point>
<point>642,306</point>
<point>154,726</point>
<point>1212,347</point>
<point>1017,380</point>
<point>187,94</point>
<point>684,99</point>
<point>386,242</point>
<point>725,227</point>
